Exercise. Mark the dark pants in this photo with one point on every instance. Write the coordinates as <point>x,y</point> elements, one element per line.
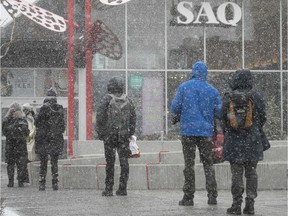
<point>237,188</point>
<point>110,154</point>
<point>205,149</point>
<point>20,162</point>
<point>16,154</point>
<point>44,163</point>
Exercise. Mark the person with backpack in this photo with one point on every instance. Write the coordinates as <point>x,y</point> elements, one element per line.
<point>243,117</point>
<point>115,124</point>
<point>49,139</point>
<point>15,129</point>
<point>197,104</point>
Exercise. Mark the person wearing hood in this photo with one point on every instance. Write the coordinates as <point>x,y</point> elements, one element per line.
<point>243,148</point>
<point>116,138</point>
<point>49,139</point>
<point>15,128</point>
<point>197,103</point>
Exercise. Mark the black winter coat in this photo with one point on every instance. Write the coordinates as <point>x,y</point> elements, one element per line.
<point>115,87</point>
<point>14,146</point>
<point>247,144</point>
<point>45,141</point>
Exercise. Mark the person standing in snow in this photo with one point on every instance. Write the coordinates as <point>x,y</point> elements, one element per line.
<point>243,147</point>
<point>49,140</point>
<point>115,127</point>
<point>15,129</point>
<point>197,103</point>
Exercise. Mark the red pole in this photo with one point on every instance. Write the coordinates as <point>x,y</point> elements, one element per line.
<point>89,77</point>
<point>70,14</point>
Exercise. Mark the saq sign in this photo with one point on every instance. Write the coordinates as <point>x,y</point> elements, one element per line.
<point>188,14</point>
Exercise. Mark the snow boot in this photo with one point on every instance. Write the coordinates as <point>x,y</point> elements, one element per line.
<point>249,206</point>
<point>55,184</point>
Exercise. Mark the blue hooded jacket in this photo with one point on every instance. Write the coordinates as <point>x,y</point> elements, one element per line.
<point>198,103</point>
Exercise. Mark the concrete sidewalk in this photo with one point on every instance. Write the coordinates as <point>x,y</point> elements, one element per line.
<point>28,201</point>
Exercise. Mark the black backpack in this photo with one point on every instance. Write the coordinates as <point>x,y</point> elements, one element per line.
<point>240,110</point>
<point>119,111</point>
<point>17,128</point>
<point>56,122</point>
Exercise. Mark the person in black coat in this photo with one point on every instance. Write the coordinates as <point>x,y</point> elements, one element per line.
<point>15,149</point>
<point>49,139</point>
<point>114,139</point>
<point>243,148</point>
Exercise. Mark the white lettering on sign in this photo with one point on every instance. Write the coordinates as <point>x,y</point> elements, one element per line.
<point>114,2</point>
<point>185,9</point>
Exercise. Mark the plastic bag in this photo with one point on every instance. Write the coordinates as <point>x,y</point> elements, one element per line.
<point>135,152</point>
<point>217,148</point>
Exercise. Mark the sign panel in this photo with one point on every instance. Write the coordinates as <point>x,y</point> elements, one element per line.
<point>228,13</point>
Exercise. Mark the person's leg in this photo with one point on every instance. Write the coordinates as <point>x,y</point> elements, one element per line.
<point>188,148</point>
<point>123,152</point>
<point>110,153</point>
<point>11,161</point>
<point>21,164</point>
<point>205,152</point>
<point>54,171</point>
<point>43,171</point>
<point>251,187</point>
<point>10,172</point>
<point>237,188</point>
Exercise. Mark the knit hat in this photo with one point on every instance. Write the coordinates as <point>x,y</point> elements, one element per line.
<point>51,93</point>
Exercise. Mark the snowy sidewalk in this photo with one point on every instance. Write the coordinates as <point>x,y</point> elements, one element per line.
<point>28,201</point>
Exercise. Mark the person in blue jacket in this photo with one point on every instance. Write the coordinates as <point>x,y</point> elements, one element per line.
<point>198,103</point>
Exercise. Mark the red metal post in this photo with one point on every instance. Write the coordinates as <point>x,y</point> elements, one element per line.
<point>89,77</point>
<point>70,14</point>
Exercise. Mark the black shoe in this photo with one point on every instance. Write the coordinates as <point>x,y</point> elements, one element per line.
<point>212,201</point>
<point>10,184</point>
<point>121,192</point>
<point>107,193</point>
<point>234,210</point>
<point>55,187</point>
<point>20,184</point>
<point>186,202</point>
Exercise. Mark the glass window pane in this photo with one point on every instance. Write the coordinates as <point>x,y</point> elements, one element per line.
<point>223,42</point>
<point>55,78</point>
<point>262,34</point>
<point>184,41</point>
<point>146,29</point>
<point>147,90</point>
<point>113,19</point>
<point>17,83</point>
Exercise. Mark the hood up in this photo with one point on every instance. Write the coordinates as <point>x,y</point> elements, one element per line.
<point>199,71</point>
<point>241,80</point>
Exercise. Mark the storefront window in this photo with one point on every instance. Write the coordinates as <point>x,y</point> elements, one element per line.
<point>184,41</point>
<point>262,34</point>
<point>146,34</point>
<point>113,28</point>
<point>147,91</point>
<point>17,83</point>
<point>223,42</point>
<point>55,78</point>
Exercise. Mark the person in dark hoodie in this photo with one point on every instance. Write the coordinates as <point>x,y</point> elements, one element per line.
<point>198,104</point>
<point>116,137</point>
<point>15,149</point>
<point>243,148</point>
<point>49,140</point>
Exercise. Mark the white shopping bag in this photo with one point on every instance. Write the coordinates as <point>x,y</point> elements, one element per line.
<point>135,152</point>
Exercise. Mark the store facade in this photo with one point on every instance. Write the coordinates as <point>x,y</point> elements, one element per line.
<point>160,40</point>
